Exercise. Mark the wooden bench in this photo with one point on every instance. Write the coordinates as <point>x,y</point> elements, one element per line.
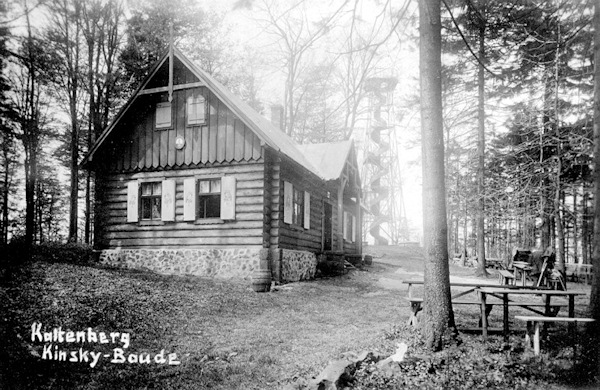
<point>533,327</point>
<point>416,305</point>
<point>506,277</point>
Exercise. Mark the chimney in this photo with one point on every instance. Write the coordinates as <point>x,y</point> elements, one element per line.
<point>277,116</point>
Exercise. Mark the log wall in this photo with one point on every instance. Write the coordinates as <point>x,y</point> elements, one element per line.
<point>246,230</point>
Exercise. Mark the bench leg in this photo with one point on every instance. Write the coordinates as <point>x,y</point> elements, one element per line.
<point>488,309</point>
<point>536,338</point>
<point>533,332</point>
<point>415,307</point>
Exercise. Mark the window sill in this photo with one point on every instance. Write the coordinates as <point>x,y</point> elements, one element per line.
<point>209,221</point>
<point>151,223</point>
<point>199,124</point>
<point>296,227</point>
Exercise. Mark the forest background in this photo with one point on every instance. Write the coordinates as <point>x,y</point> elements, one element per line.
<point>517,98</point>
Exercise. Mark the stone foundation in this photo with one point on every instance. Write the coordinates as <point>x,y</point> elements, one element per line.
<point>222,263</point>
<point>297,265</point>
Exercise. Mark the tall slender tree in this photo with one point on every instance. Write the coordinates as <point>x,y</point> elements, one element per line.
<point>28,80</point>
<point>438,313</point>
<point>66,37</point>
<point>595,295</point>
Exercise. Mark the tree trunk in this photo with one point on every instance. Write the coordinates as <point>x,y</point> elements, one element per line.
<point>5,188</point>
<point>481,271</point>
<point>585,245</point>
<point>595,294</point>
<point>575,229</point>
<point>438,314</point>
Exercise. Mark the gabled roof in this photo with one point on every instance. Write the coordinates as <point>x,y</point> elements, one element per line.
<point>264,130</point>
<point>329,158</point>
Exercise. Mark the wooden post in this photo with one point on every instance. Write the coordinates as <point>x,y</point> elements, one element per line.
<point>484,321</point>
<point>536,338</point>
<point>505,315</point>
<point>340,217</point>
<point>170,61</point>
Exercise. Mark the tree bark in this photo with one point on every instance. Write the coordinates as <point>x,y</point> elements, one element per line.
<point>594,307</point>
<point>585,244</point>
<point>438,314</point>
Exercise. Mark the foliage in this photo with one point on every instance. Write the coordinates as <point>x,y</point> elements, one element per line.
<point>469,364</point>
<point>57,252</point>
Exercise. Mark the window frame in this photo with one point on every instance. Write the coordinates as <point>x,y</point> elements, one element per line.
<point>163,126</point>
<point>142,198</point>
<point>297,207</point>
<point>202,197</point>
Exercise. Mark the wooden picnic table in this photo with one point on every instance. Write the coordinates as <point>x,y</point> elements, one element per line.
<point>524,270</point>
<point>471,286</point>
<point>504,294</point>
<point>416,303</point>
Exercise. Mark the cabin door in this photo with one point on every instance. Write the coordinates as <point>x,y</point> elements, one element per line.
<point>327,227</point>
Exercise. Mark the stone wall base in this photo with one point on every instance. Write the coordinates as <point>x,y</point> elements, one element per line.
<point>297,265</point>
<point>236,263</point>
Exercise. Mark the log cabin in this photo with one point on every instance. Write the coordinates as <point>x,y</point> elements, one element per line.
<point>191,180</point>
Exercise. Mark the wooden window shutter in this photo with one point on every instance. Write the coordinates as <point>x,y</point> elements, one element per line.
<point>306,210</point>
<point>353,228</point>
<point>288,190</point>
<point>132,201</point>
<point>228,197</point>
<point>163,115</point>
<point>168,201</point>
<point>189,199</point>
<point>345,225</point>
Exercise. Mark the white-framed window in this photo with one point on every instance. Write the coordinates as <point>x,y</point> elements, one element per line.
<point>296,206</point>
<point>163,115</point>
<point>196,110</point>
<point>209,199</point>
<point>349,227</point>
<point>151,200</point>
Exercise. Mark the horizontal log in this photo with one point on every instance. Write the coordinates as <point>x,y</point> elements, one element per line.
<point>180,242</point>
<point>185,234</point>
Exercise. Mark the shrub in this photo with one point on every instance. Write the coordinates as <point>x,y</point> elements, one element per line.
<point>73,253</point>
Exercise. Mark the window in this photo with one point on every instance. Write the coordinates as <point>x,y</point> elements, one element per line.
<point>196,110</point>
<point>209,198</point>
<point>150,198</point>
<point>163,115</point>
<point>349,228</point>
<point>298,207</point>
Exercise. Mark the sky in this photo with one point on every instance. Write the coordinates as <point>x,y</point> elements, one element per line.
<point>402,63</point>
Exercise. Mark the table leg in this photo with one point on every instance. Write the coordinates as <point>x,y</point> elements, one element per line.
<point>505,301</point>
<point>415,308</point>
<point>536,338</point>
<point>547,312</point>
<point>572,314</point>
<point>484,320</point>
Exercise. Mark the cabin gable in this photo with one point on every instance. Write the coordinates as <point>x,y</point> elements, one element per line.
<point>138,143</point>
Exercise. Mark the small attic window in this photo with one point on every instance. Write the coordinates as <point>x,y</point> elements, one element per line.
<point>196,110</point>
<point>163,115</point>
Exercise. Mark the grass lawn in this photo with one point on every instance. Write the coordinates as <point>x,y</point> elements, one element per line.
<point>226,336</point>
